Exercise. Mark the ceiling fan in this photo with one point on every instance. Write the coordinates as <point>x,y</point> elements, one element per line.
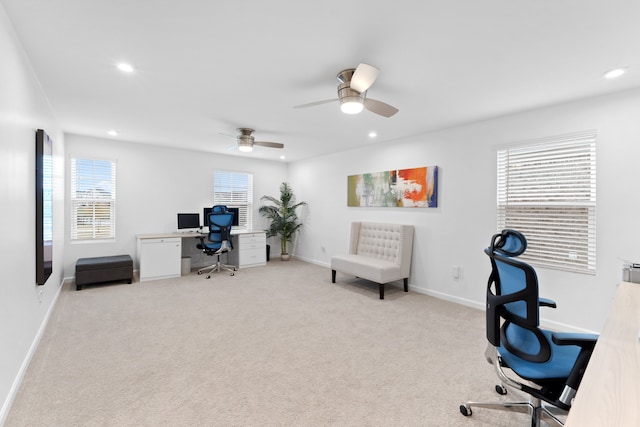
<point>246,141</point>
<point>352,92</point>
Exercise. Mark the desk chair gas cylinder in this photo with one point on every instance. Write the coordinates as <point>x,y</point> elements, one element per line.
<point>548,366</point>
<point>219,240</point>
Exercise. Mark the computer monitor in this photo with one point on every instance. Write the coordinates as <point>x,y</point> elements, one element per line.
<point>188,222</point>
<point>236,216</point>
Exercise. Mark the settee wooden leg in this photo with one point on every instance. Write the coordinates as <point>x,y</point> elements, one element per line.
<point>333,276</point>
<point>406,284</point>
<point>381,286</point>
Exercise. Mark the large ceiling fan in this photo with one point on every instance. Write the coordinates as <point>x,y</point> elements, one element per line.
<point>246,141</point>
<point>352,92</point>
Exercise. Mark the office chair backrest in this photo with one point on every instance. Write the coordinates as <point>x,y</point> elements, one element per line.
<point>220,221</point>
<point>513,301</point>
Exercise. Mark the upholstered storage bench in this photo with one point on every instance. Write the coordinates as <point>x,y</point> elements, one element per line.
<point>378,252</point>
<point>103,269</point>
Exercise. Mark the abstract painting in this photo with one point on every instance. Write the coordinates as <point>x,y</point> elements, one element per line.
<point>406,188</point>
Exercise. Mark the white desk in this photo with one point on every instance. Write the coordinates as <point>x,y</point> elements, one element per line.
<point>609,394</point>
<point>160,254</point>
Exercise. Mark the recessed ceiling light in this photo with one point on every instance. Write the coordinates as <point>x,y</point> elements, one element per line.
<point>372,134</point>
<point>615,73</point>
<point>125,68</point>
<point>282,157</point>
<point>112,132</point>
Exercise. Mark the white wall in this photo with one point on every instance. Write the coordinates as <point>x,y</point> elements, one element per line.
<point>154,183</point>
<point>24,306</point>
<point>460,228</point>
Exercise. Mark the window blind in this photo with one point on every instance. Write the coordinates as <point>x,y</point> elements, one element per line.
<point>93,199</point>
<point>547,191</point>
<point>235,189</point>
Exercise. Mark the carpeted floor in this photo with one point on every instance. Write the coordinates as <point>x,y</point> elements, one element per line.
<point>272,346</point>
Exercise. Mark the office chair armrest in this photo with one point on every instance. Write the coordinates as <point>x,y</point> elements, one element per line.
<point>201,245</point>
<point>587,341</point>
<point>546,302</point>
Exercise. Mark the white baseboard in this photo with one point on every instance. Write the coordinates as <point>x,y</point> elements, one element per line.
<point>451,298</point>
<point>13,391</point>
<point>312,261</point>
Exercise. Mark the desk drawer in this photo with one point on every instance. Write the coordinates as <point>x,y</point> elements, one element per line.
<point>253,256</point>
<point>252,238</point>
<point>250,246</point>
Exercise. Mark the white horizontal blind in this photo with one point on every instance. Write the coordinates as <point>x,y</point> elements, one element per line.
<point>93,199</point>
<point>547,191</point>
<point>235,189</point>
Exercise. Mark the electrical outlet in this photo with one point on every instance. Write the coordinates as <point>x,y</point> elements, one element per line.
<point>455,272</point>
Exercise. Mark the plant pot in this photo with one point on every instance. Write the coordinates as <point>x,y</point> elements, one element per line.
<point>284,257</point>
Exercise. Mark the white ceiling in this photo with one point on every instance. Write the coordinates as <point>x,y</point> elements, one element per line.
<point>207,67</point>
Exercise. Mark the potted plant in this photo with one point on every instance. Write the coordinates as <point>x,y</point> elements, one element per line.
<point>282,214</point>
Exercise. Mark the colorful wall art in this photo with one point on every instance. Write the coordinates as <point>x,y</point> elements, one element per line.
<point>406,188</point>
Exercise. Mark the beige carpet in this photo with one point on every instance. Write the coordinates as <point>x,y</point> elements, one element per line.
<point>273,346</point>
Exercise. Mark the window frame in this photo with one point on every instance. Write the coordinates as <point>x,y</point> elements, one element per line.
<point>546,189</point>
<point>94,232</point>
<point>239,195</point>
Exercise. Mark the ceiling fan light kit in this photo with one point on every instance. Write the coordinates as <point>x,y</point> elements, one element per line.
<point>244,147</point>
<point>351,105</point>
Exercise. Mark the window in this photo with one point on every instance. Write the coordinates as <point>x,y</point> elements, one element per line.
<point>235,190</point>
<point>93,199</point>
<point>547,191</point>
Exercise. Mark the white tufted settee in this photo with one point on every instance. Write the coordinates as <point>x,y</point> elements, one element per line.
<point>378,252</point>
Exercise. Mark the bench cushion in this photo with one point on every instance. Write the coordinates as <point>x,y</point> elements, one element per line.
<point>374,269</point>
<point>84,264</point>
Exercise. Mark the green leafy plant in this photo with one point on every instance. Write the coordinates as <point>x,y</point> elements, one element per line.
<point>282,214</point>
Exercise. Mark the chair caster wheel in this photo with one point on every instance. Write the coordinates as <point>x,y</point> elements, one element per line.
<point>500,389</point>
<point>465,410</point>
<point>233,274</point>
<point>199,273</point>
<point>209,277</point>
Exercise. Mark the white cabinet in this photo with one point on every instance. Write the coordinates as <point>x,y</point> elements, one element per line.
<point>249,250</point>
<point>159,258</point>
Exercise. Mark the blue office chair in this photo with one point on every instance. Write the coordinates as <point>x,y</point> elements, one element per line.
<point>548,365</point>
<point>219,239</point>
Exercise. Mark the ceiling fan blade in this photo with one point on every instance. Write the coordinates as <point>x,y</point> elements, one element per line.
<point>380,107</point>
<point>268,144</point>
<point>313,104</point>
<point>363,77</point>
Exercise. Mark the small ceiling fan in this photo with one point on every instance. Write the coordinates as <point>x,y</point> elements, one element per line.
<point>246,141</point>
<point>352,92</point>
